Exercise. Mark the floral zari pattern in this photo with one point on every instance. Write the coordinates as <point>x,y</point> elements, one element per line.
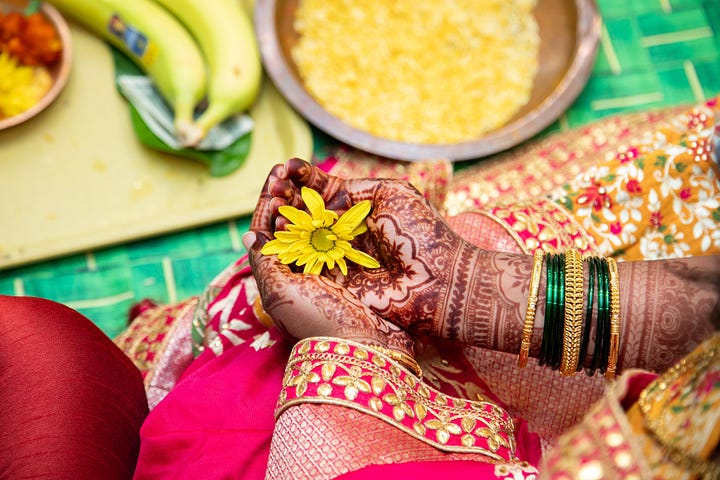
<point>324,370</point>
<point>656,198</point>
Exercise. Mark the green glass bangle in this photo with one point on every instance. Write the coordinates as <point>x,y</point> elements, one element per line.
<point>603,318</point>
<point>604,354</point>
<point>549,306</point>
<point>559,313</point>
<point>559,297</point>
<point>588,314</point>
<point>552,310</point>
<point>594,362</point>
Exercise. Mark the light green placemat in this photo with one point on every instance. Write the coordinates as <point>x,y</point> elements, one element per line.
<point>654,53</point>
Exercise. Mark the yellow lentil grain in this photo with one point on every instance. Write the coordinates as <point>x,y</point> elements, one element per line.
<point>419,71</point>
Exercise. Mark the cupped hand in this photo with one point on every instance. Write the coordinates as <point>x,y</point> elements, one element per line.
<point>303,305</point>
<point>418,252</point>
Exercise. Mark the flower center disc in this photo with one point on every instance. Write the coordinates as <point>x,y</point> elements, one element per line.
<point>322,239</point>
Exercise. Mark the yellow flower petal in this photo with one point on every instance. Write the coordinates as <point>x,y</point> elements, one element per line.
<point>352,218</point>
<point>298,217</point>
<point>362,258</point>
<point>343,245</point>
<point>306,255</point>
<point>362,228</point>
<point>273,247</point>
<point>314,267</point>
<point>287,258</point>
<point>343,265</point>
<point>336,254</point>
<point>316,205</point>
<point>299,245</point>
<point>287,237</point>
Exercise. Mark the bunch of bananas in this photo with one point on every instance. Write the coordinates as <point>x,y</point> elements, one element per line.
<point>191,49</point>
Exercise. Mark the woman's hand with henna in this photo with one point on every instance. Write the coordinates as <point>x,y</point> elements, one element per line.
<point>304,305</point>
<point>421,257</point>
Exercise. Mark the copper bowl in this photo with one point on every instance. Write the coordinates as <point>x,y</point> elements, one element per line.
<point>569,35</point>
<point>59,71</point>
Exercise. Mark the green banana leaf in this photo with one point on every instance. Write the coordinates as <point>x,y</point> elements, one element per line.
<point>220,162</point>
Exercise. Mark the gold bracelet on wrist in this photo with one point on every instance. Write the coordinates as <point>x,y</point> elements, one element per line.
<point>402,358</point>
<point>572,331</point>
<point>614,319</point>
<point>538,258</point>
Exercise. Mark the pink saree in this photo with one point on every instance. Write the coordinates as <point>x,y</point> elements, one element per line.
<point>218,418</point>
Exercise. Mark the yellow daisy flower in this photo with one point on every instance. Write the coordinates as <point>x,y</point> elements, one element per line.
<point>317,239</point>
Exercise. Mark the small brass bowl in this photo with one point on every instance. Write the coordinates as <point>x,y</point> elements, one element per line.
<point>59,71</point>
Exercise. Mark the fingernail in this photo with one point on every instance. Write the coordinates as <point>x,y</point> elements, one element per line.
<point>248,239</point>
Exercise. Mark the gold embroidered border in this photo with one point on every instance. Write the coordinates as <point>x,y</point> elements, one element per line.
<point>338,372</point>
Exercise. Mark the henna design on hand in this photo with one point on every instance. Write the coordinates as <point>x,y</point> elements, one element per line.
<point>432,281</point>
<point>668,307</point>
<point>416,248</point>
<point>496,308</point>
<point>303,305</point>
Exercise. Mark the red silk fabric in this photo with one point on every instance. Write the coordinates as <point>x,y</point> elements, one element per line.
<point>71,402</point>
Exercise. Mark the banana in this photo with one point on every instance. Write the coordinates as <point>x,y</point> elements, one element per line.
<point>155,40</point>
<point>227,40</point>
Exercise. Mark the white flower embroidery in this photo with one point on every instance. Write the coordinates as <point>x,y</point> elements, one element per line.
<point>516,471</point>
<point>262,340</point>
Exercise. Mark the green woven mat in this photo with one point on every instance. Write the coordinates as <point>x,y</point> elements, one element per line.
<point>654,53</point>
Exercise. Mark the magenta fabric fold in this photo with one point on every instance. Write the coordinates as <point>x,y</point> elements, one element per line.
<point>218,420</point>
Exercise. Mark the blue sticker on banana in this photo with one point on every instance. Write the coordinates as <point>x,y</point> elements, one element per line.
<point>135,41</point>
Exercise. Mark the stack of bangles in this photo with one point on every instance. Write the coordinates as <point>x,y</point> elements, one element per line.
<point>566,334</point>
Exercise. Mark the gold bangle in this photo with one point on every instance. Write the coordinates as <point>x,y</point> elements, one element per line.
<point>538,258</point>
<point>614,319</point>
<point>402,358</point>
<point>572,332</point>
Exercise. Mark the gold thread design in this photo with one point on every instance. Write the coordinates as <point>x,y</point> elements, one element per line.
<point>402,358</point>
<point>614,319</point>
<point>660,394</point>
<point>324,370</point>
<point>572,333</point>
<point>538,258</point>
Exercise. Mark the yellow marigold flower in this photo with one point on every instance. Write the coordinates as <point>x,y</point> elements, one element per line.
<point>21,86</point>
<point>320,238</point>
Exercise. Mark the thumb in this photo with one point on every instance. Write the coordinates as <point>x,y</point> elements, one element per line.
<point>248,239</point>
<point>252,240</point>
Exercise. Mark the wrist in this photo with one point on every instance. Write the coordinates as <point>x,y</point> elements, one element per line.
<point>464,296</point>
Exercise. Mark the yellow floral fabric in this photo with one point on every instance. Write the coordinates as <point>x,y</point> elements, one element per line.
<point>657,198</point>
